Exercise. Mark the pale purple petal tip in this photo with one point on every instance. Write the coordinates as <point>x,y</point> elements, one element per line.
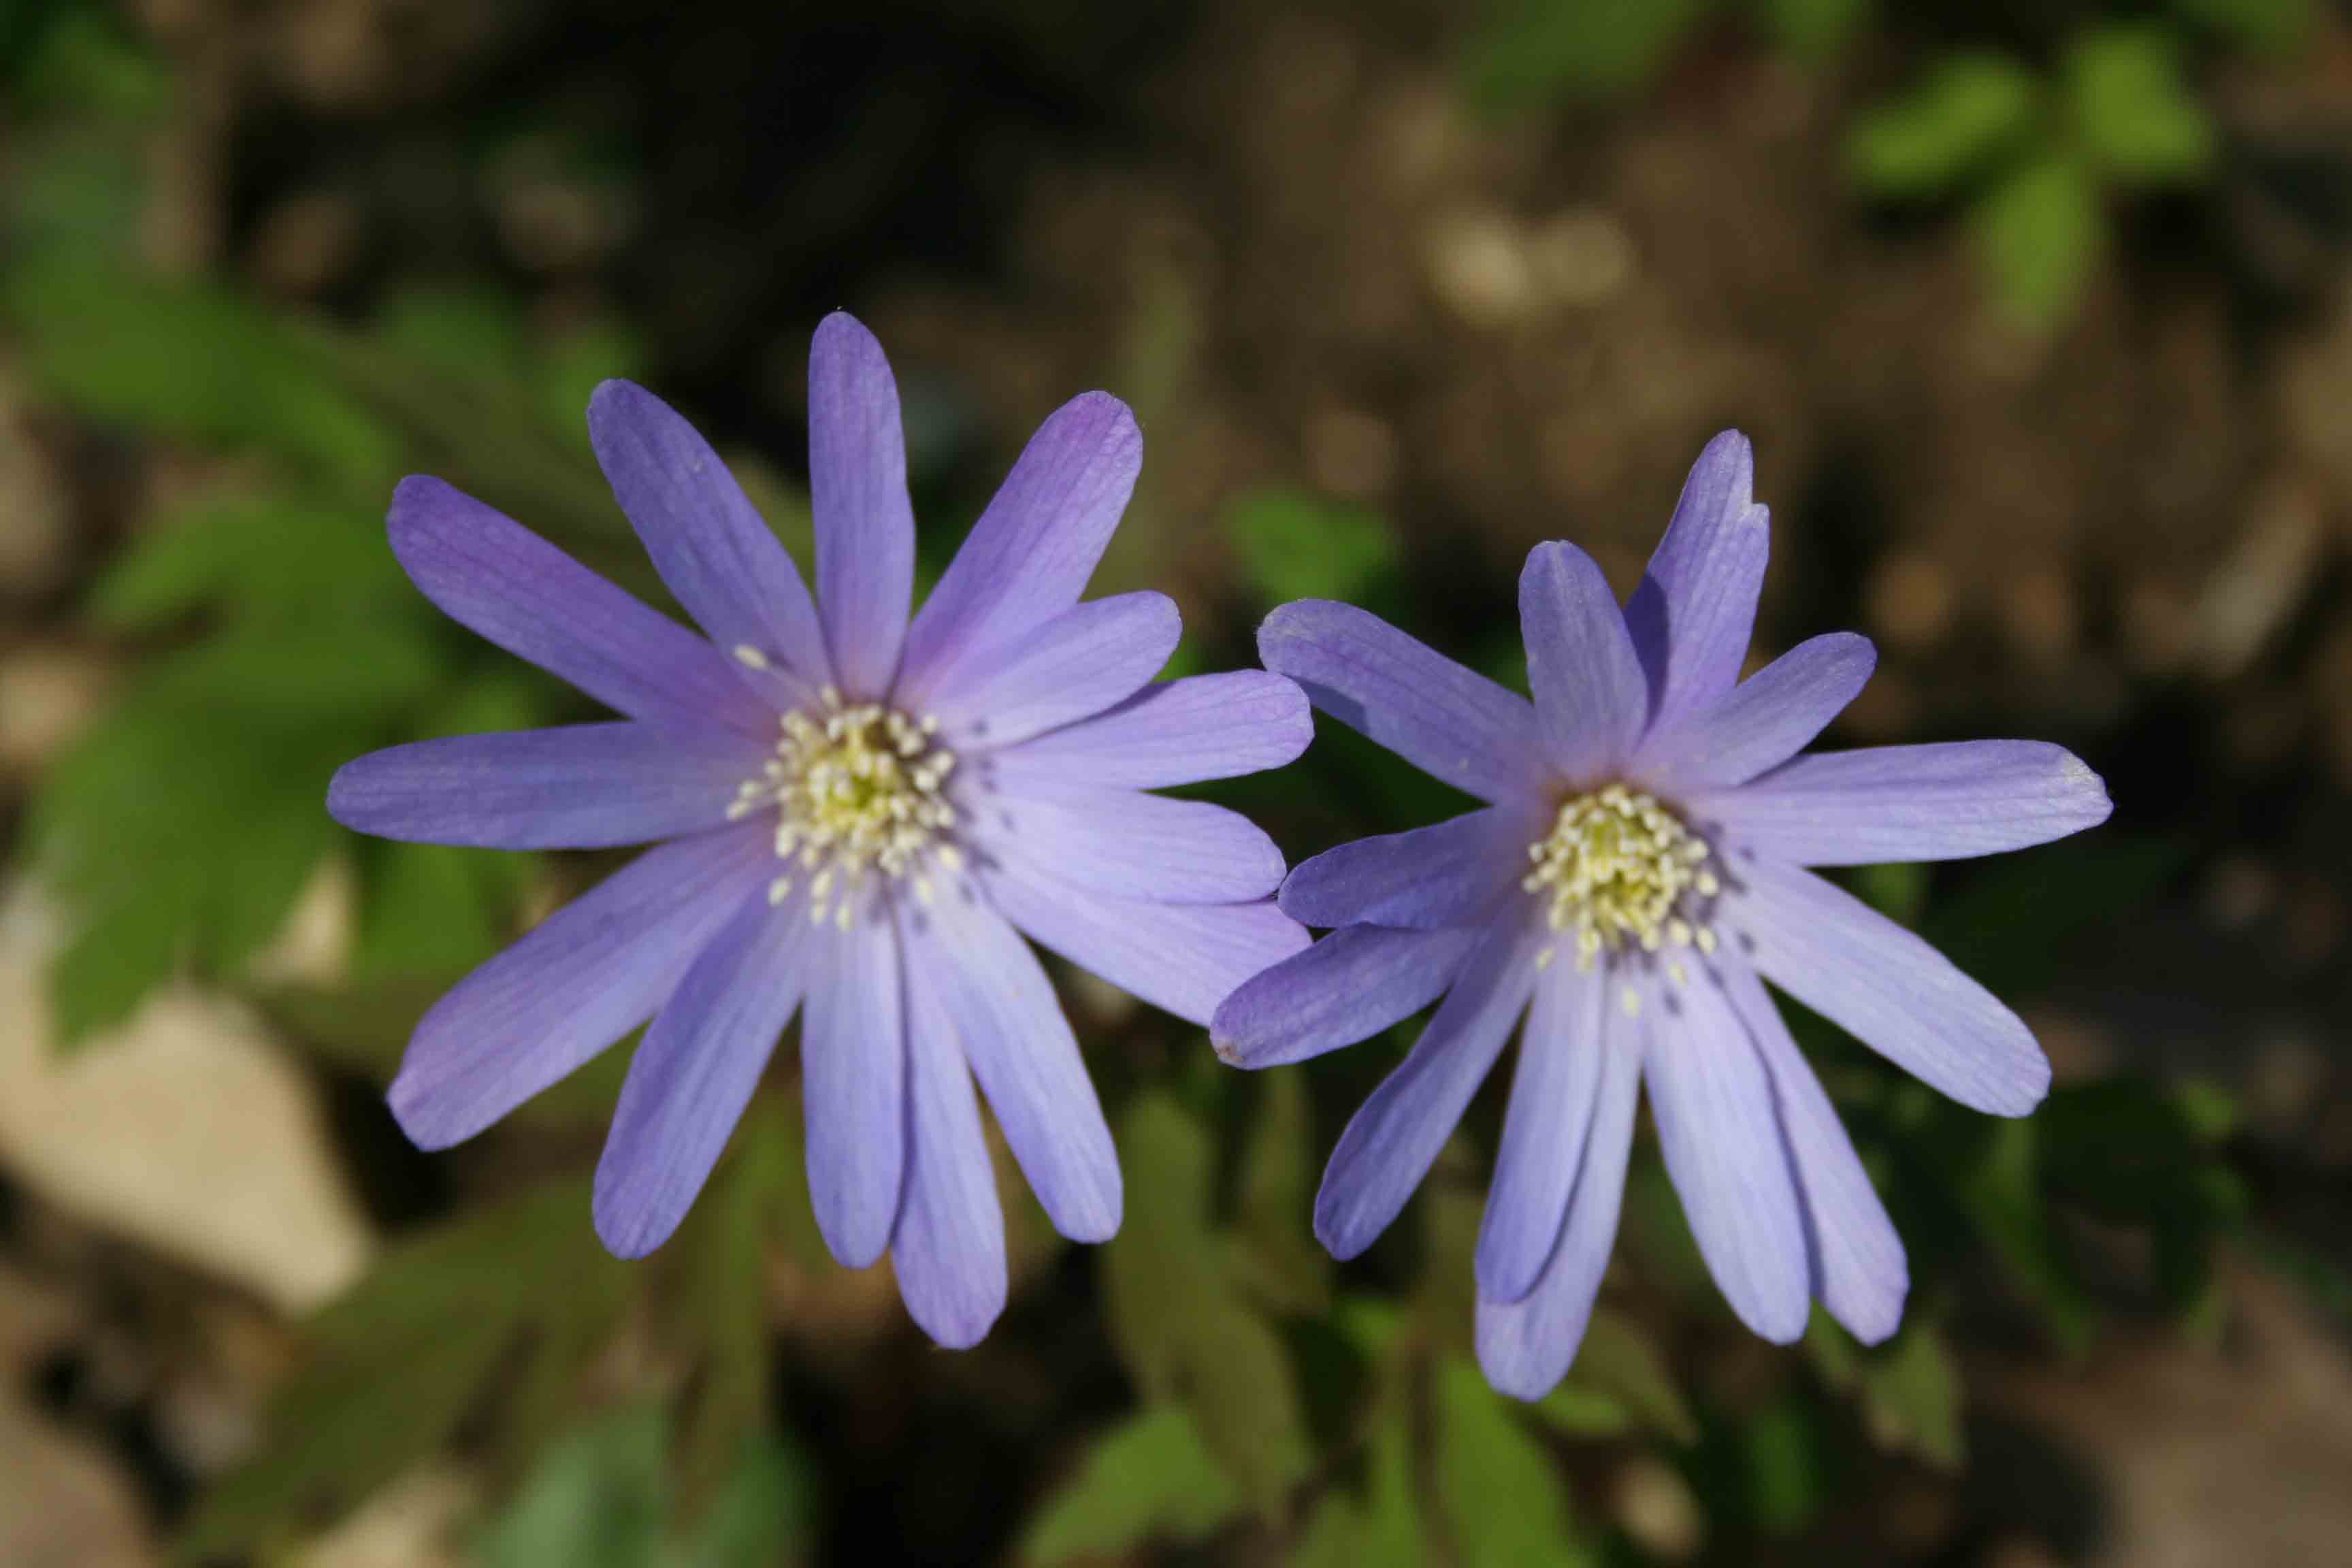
<point>1592,698</point>
<point>949,1247</point>
<point>854,1084</point>
<point>858,500</point>
<point>1347,987</point>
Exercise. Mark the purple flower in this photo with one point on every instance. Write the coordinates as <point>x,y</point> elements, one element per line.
<point>1637,875</point>
<point>859,816</point>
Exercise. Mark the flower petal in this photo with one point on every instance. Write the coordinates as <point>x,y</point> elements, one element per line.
<point>1449,874</point>
<point>1527,1345</point>
<point>949,1247</point>
<point>857,498</point>
<point>496,577</point>
<point>1592,698</point>
<point>1127,844</point>
<point>1858,1267</point>
<point>583,977</point>
<point>1720,1128</point>
<point>1695,609</point>
<point>1885,987</point>
<point>693,1073</point>
<point>854,1084</point>
<point>706,540</point>
<point>1448,720</point>
<point>1349,986</point>
<point>1393,1139</point>
<point>1553,1094</point>
<point>1085,661</point>
<point>1766,719</point>
<point>585,786</point>
<point>1027,1061</point>
<point>1028,558</point>
<point>1186,958</point>
<point>1176,732</point>
<point>1911,802</point>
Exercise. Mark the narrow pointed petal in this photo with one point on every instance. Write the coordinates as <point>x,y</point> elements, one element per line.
<point>858,500</point>
<point>1766,719</point>
<point>1720,1128</point>
<point>1592,698</point>
<point>1694,610</point>
<point>1527,1346</point>
<point>1347,987</point>
<point>706,540</point>
<point>587,787</point>
<point>1858,1267</point>
<point>1182,732</point>
<point>1882,804</point>
<point>577,981</point>
<point>1028,558</point>
<point>493,576</point>
<point>1186,958</point>
<point>1388,1146</point>
<point>1885,987</point>
<point>854,1084</point>
<point>1128,845</point>
<point>693,1073</point>
<point>1027,1061</point>
<point>1554,1093</point>
<point>1453,873</point>
<point>949,1247</point>
<point>1083,662</point>
<point>1446,720</point>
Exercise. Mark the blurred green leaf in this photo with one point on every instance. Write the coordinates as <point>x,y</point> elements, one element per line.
<point>763,1516</point>
<point>1971,109</point>
<point>1295,545</point>
<point>2133,109</point>
<point>2037,233</point>
<point>597,1499</point>
<point>2015,925</point>
<point>1814,29</point>
<point>2251,24</point>
<point>1531,51</point>
<point>1780,1450</point>
<point>1898,890</point>
<point>393,1367</point>
<point>79,59</point>
<point>1620,1361</point>
<point>1583,1412</point>
<point>1151,1475</point>
<point>1277,1250</point>
<point>2002,1196</point>
<point>1177,1316</point>
<point>1502,1494</point>
<point>1911,1398</point>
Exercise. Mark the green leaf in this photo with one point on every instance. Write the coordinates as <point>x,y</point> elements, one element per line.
<point>1179,1317</point>
<point>1531,51</point>
<point>1295,545</point>
<point>2038,233</point>
<point>2269,24</point>
<point>1782,1452</point>
<point>1814,29</point>
<point>1898,890</point>
<point>763,1518</point>
<point>1620,1362</point>
<point>1583,1412</point>
<point>1911,1398</point>
<point>597,1499</point>
<point>1276,1252</point>
<point>392,1368</point>
<point>1971,110</point>
<point>1149,1476</point>
<point>1503,1499</point>
<point>2132,109</point>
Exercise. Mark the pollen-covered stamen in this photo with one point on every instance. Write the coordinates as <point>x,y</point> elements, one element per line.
<point>856,789</point>
<point>1623,870</point>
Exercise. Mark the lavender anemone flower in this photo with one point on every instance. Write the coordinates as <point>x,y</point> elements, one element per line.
<point>858,817</point>
<point>1639,868</point>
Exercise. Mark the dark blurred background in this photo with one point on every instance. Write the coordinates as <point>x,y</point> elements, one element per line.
<point>2040,315</point>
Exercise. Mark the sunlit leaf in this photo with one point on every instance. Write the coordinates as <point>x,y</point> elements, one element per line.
<point>1530,51</point>
<point>1291,545</point>
<point>597,1499</point>
<point>1814,29</point>
<point>1911,1397</point>
<point>1780,1450</point>
<point>2134,110</point>
<point>1971,109</point>
<point>2037,233</point>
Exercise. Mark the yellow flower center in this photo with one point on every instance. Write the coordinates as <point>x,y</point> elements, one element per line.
<point>856,789</point>
<point>1623,871</point>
